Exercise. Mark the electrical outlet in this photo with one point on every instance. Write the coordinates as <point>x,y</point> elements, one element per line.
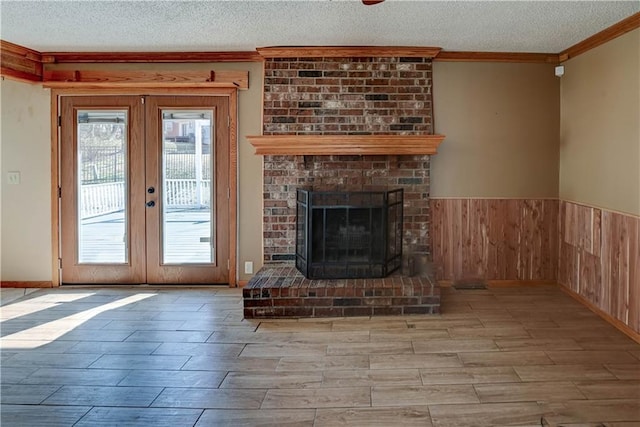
<point>13,177</point>
<point>248,267</point>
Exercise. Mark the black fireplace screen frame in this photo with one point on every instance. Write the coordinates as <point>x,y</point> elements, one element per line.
<point>345,235</point>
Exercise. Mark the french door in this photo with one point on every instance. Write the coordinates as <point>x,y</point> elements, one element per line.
<point>144,189</point>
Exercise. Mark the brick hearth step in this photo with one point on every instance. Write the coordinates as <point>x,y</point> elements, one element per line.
<point>279,290</point>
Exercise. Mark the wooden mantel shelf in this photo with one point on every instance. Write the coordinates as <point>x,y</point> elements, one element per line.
<point>309,145</point>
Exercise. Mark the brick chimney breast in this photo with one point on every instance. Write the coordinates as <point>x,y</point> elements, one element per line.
<point>346,96</point>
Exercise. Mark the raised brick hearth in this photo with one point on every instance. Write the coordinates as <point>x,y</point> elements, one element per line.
<point>279,290</point>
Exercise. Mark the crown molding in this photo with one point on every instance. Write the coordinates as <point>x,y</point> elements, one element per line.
<point>616,30</point>
<point>148,57</point>
<point>20,63</point>
<point>522,57</point>
<point>347,51</point>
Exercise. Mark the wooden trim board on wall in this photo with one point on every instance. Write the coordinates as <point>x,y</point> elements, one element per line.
<point>621,326</point>
<point>233,188</point>
<point>502,283</point>
<point>26,284</point>
<point>616,30</point>
<point>146,79</point>
<point>56,275</point>
<point>519,57</point>
<point>148,57</point>
<point>347,51</point>
<point>20,63</point>
<point>603,314</point>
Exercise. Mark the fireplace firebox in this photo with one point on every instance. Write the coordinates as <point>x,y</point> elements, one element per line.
<point>344,235</point>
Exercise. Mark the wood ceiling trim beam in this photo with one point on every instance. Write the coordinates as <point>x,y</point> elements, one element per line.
<point>521,57</point>
<point>148,57</point>
<point>310,145</point>
<point>146,79</point>
<point>20,63</point>
<point>347,51</point>
<point>616,30</point>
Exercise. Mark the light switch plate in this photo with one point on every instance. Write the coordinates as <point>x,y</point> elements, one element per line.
<point>13,177</point>
<point>248,267</point>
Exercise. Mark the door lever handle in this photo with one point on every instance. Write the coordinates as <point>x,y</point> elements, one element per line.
<point>151,204</point>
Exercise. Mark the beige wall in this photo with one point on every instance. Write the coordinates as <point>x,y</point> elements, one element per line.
<point>600,126</point>
<point>250,171</point>
<point>501,123</point>
<point>25,144</point>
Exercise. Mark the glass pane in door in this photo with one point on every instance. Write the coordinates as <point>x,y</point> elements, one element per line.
<point>102,186</point>
<point>187,168</point>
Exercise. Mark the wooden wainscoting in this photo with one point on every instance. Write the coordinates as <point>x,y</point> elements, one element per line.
<point>600,260</point>
<point>495,239</point>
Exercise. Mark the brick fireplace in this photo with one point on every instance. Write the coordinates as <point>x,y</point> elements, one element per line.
<point>346,96</point>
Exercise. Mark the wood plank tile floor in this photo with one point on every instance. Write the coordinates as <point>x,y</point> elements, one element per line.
<point>186,357</point>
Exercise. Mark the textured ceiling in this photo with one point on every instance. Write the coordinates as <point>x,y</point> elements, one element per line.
<point>519,26</point>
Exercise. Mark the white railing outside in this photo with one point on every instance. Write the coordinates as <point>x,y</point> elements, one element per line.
<point>183,193</point>
<point>101,199</point>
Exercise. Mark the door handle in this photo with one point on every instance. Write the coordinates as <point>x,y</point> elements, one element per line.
<point>151,190</point>
<point>151,204</point>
